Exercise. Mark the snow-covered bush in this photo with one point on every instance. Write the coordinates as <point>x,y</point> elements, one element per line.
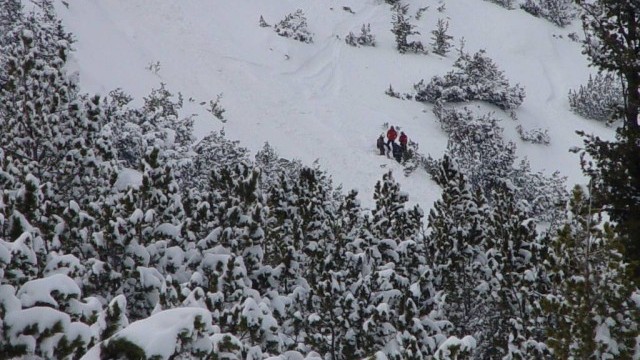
<point>600,99</point>
<point>455,348</point>
<point>451,119</point>
<point>156,124</point>
<point>559,12</point>
<point>294,26</point>
<point>364,39</point>
<point>535,136</point>
<point>182,333</point>
<point>478,147</point>
<point>473,78</point>
<point>504,3</point>
<point>40,319</point>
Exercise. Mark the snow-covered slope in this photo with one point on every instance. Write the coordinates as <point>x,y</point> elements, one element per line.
<point>326,100</point>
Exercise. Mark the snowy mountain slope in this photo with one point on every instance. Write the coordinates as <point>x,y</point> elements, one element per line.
<point>326,100</point>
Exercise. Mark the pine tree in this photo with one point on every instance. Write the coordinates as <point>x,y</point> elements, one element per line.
<point>600,99</point>
<point>456,253</point>
<point>294,26</point>
<point>612,44</point>
<point>559,12</point>
<point>517,280</point>
<point>441,40</point>
<point>391,220</point>
<point>10,14</point>
<point>474,77</point>
<point>402,29</point>
<point>589,304</point>
<point>614,169</point>
<point>364,39</point>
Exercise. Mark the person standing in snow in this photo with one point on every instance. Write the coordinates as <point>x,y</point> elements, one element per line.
<point>397,152</point>
<point>380,144</point>
<point>403,141</point>
<point>391,137</point>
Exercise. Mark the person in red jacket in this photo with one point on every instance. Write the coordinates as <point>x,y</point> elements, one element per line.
<point>391,136</point>
<point>403,141</point>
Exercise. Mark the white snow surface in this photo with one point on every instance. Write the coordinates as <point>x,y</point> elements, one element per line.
<point>326,100</point>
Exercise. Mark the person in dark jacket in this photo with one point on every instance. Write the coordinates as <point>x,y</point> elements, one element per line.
<point>397,152</point>
<point>380,144</point>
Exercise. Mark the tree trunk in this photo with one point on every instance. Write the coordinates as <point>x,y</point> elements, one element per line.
<point>633,100</point>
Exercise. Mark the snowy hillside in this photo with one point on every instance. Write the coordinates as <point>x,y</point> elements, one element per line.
<point>326,100</point>
<point>201,179</point>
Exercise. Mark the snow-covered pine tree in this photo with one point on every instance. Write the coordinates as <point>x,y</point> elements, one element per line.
<point>34,101</point>
<point>390,219</point>
<point>136,218</point>
<point>402,29</point>
<point>441,40</point>
<point>341,297</point>
<point>456,253</point>
<point>272,166</point>
<point>158,203</point>
<point>513,326</point>
<point>35,96</point>
<point>317,210</point>
<point>214,151</point>
<point>589,307</point>
<point>481,152</point>
<point>112,319</point>
<point>534,136</point>
<point>284,239</point>
<point>474,77</point>
<point>504,3</point>
<point>477,145</point>
<point>294,26</point>
<point>39,320</point>
<point>364,39</point>
<point>10,13</point>
<point>242,217</point>
<point>559,12</point>
<point>600,99</point>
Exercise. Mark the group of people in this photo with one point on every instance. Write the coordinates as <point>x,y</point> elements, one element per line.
<point>397,150</point>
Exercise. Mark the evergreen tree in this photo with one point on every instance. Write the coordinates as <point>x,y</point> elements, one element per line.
<point>474,77</point>
<point>559,12</point>
<point>284,239</point>
<point>391,220</point>
<point>441,40</point>
<point>614,169</point>
<point>402,29</point>
<point>516,283</point>
<point>364,39</point>
<point>612,44</point>
<point>456,253</point>
<point>589,304</point>
<point>10,14</point>
<point>294,26</point>
<point>600,99</point>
